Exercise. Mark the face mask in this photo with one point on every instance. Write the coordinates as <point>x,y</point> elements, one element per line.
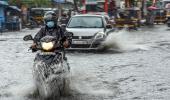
<point>50,24</point>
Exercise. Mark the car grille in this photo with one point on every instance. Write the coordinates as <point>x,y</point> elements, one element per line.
<point>82,37</point>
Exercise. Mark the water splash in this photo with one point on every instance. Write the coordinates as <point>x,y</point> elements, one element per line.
<point>21,92</point>
<point>84,83</point>
<point>125,41</point>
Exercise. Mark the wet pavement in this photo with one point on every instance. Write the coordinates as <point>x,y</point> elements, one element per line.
<point>139,72</point>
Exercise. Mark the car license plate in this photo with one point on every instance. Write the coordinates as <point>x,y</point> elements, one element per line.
<point>79,42</point>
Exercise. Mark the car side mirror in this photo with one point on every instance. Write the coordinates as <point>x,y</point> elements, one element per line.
<point>108,26</point>
<point>27,38</point>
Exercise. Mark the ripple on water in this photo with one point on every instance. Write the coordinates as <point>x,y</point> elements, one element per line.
<point>5,95</point>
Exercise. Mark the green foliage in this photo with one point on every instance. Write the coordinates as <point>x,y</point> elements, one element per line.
<point>31,3</point>
<point>13,2</point>
<point>42,3</point>
<point>149,3</point>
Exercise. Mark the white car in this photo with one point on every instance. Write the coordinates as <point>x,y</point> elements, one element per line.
<point>89,31</point>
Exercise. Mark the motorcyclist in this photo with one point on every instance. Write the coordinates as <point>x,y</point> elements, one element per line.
<point>64,19</point>
<point>52,29</point>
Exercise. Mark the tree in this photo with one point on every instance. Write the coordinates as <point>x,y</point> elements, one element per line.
<point>42,3</point>
<point>31,3</point>
<point>75,5</point>
<point>15,2</point>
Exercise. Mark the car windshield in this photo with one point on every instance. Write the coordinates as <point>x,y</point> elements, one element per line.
<point>86,22</point>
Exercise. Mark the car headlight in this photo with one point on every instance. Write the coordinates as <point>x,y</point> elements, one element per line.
<point>99,35</point>
<point>47,46</point>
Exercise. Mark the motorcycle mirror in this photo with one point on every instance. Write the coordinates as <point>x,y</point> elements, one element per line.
<point>70,34</point>
<point>63,25</point>
<point>108,26</point>
<point>27,38</point>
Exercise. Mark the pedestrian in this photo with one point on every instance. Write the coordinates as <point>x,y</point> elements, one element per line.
<point>150,17</point>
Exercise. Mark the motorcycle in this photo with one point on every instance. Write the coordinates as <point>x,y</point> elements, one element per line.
<point>168,17</point>
<point>168,21</point>
<point>50,68</point>
<point>31,23</point>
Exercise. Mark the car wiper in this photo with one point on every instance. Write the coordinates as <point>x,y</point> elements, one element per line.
<point>95,27</point>
<point>79,27</point>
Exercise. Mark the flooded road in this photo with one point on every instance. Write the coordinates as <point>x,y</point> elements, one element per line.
<point>139,72</point>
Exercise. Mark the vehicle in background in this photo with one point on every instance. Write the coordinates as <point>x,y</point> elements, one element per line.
<point>165,2</point>
<point>89,31</point>
<point>160,16</point>
<point>95,6</point>
<point>31,23</point>
<point>168,17</point>
<point>168,22</point>
<point>128,18</point>
<point>38,13</point>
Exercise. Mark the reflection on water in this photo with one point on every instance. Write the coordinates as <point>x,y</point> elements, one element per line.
<point>143,73</point>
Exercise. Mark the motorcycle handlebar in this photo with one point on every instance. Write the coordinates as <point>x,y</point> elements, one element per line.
<point>34,49</point>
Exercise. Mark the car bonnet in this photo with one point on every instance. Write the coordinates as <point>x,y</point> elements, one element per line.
<point>84,31</point>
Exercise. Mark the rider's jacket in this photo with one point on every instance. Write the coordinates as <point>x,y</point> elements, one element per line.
<point>56,32</point>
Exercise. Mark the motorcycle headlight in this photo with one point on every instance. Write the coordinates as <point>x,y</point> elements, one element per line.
<point>100,35</point>
<point>47,46</point>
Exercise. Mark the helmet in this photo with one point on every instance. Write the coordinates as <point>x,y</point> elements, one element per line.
<point>50,15</point>
<point>50,19</point>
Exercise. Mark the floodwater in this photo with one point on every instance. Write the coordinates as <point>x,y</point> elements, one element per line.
<point>139,72</point>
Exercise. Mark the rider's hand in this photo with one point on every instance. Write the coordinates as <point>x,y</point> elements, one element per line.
<point>33,46</point>
<point>66,44</point>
